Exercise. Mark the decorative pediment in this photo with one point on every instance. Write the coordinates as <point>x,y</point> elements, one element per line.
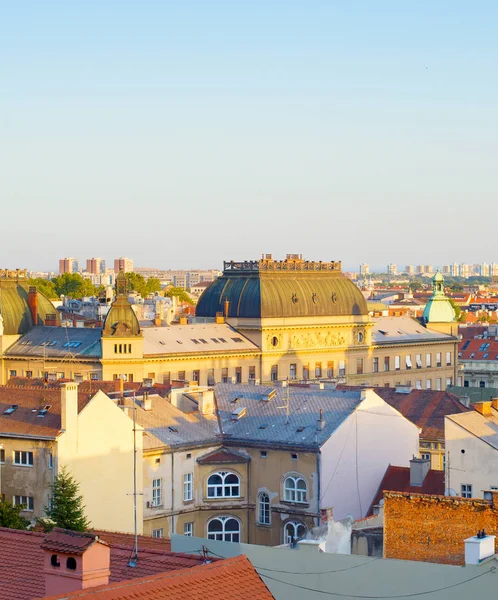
<point>222,456</point>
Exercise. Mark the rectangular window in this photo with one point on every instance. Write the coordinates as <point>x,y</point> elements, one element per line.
<point>397,362</point>
<point>238,374</point>
<point>50,460</point>
<point>466,490</point>
<point>359,366</point>
<point>188,529</point>
<point>376,364</point>
<point>408,361</point>
<point>24,459</point>
<point>448,359</point>
<point>292,371</point>
<point>181,375</point>
<point>157,496</point>
<point>438,359</point>
<point>188,492</point>
<point>2,455</point>
<point>224,375</point>
<point>263,453</point>
<point>449,381</point>
<point>252,373</point>
<point>330,369</point>
<point>94,376</point>
<point>342,368</point>
<point>13,373</point>
<point>418,384</point>
<point>318,370</point>
<point>29,374</point>
<point>26,501</point>
<point>428,384</point>
<point>274,373</point>
<point>306,371</point>
<point>438,384</point>
<point>418,361</point>
<point>158,533</point>
<point>196,376</point>
<point>210,377</point>
<point>386,363</point>
<point>425,456</point>
<point>167,377</point>
<point>428,360</point>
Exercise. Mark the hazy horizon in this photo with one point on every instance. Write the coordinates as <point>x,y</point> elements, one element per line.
<point>191,133</point>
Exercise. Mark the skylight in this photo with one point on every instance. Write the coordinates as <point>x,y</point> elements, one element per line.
<point>173,429</point>
<point>9,411</point>
<point>238,340</point>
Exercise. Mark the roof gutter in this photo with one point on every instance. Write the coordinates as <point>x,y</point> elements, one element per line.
<point>22,436</point>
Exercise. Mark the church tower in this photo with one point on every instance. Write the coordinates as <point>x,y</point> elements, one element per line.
<point>439,314</point>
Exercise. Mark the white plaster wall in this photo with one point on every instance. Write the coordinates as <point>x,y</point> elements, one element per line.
<point>356,456</point>
<point>478,465</point>
<point>99,455</point>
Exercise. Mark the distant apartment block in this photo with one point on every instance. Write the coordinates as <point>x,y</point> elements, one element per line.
<point>392,269</point>
<point>95,266</point>
<point>364,269</point>
<point>123,264</point>
<point>68,265</point>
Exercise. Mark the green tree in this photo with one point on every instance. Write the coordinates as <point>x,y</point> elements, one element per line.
<point>153,285</point>
<point>73,285</point>
<point>144,287</point>
<point>67,509</point>
<point>180,293</point>
<point>10,516</point>
<point>459,315</point>
<point>45,286</point>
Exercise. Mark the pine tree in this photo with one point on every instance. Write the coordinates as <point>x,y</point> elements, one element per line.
<point>10,516</point>
<point>67,509</point>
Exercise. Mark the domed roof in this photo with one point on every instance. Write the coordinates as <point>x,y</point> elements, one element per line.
<point>14,306</point>
<point>290,288</point>
<point>438,309</point>
<point>121,320</point>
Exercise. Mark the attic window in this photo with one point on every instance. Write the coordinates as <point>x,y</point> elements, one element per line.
<point>161,342</point>
<point>238,340</point>
<point>223,340</point>
<point>9,411</point>
<point>215,340</point>
<point>202,340</point>
<point>43,411</point>
<point>71,344</point>
<point>485,355</point>
<point>48,343</point>
<point>263,426</point>
<point>464,347</point>
<point>235,399</point>
<point>300,429</point>
<point>472,354</point>
<point>173,429</point>
<point>178,342</point>
<point>383,332</point>
<point>195,341</point>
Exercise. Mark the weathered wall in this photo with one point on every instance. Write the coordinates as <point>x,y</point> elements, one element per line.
<point>433,528</point>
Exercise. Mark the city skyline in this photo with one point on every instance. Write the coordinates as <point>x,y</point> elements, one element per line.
<point>346,130</point>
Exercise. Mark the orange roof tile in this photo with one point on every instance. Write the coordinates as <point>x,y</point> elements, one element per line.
<point>69,542</point>
<point>229,579</point>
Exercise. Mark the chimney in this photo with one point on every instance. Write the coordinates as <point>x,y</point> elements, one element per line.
<point>320,424</point>
<point>51,320</point>
<point>206,402</point>
<point>484,408</point>
<point>69,407</point>
<point>183,320</point>
<point>74,561</point>
<point>220,319</point>
<point>33,303</point>
<point>226,306</point>
<point>419,467</point>
<point>146,402</point>
<point>494,403</point>
<point>479,547</point>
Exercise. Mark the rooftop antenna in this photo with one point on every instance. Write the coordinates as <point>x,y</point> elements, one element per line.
<point>287,401</point>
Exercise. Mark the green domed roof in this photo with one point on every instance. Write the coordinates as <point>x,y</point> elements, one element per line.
<point>290,288</point>
<point>438,309</point>
<point>14,307</point>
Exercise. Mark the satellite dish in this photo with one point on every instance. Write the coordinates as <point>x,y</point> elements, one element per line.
<point>449,492</point>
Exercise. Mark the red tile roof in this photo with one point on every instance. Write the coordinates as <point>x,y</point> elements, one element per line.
<point>397,479</point>
<point>69,542</point>
<point>478,349</point>
<point>21,561</point>
<point>229,579</point>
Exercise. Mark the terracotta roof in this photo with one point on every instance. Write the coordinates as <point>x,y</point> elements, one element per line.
<point>478,349</point>
<point>69,542</point>
<point>21,561</point>
<point>397,479</point>
<point>472,331</point>
<point>229,579</point>
<point>424,408</point>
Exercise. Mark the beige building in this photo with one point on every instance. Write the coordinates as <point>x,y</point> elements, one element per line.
<point>261,321</point>
<point>42,430</point>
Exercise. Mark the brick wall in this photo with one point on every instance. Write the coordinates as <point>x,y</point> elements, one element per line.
<point>433,528</point>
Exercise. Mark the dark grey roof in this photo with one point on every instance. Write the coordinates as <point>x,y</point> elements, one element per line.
<point>264,422</point>
<point>54,342</point>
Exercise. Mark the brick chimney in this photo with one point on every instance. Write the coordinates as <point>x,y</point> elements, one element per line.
<point>74,561</point>
<point>33,303</point>
<point>484,408</point>
<point>51,320</point>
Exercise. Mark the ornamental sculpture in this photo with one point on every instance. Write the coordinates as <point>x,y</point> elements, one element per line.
<point>293,262</point>
<point>319,339</point>
<point>13,274</point>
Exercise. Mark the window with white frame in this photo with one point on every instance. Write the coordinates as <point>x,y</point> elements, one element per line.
<point>295,489</point>
<point>466,490</point>
<point>438,384</point>
<point>408,361</point>
<point>188,529</point>
<point>157,492</point>
<point>188,492</point>
<point>342,368</point>
<point>224,529</point>
<point>438,359</point>
<point>425,456</point>
<point>294,530</point>
<point>223,485</point>
<point>448,359</point>
<point>24,459</point>
<point>428,359</point>
<point>26,501</point>
<point>264,509</point>
<point>428,384</point>
<point>418,361</point>
<point>158,533</point>
<point>449,381</point>
<point>397,361</point>
<point>418,384</point>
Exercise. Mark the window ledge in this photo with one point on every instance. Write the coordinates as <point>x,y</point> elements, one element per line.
<point>218,498</point>
<point>297,504</point>
<point>19,465</point>
<point>264,525</point>
<point>191,501</point>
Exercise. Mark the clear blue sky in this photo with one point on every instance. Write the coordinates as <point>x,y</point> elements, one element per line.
<point>184,133</point>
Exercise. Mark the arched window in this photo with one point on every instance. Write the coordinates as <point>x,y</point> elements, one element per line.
<point>264,509</point>
<point>225,529</point>
<point>295,489</point>
<point>294,530</point>
<point>223,485</point>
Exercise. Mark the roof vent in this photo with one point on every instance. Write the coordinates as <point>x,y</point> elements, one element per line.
<point>403,389</point>
<point>268,394</point>
<point>9,411</point>
<point>238,413</point>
